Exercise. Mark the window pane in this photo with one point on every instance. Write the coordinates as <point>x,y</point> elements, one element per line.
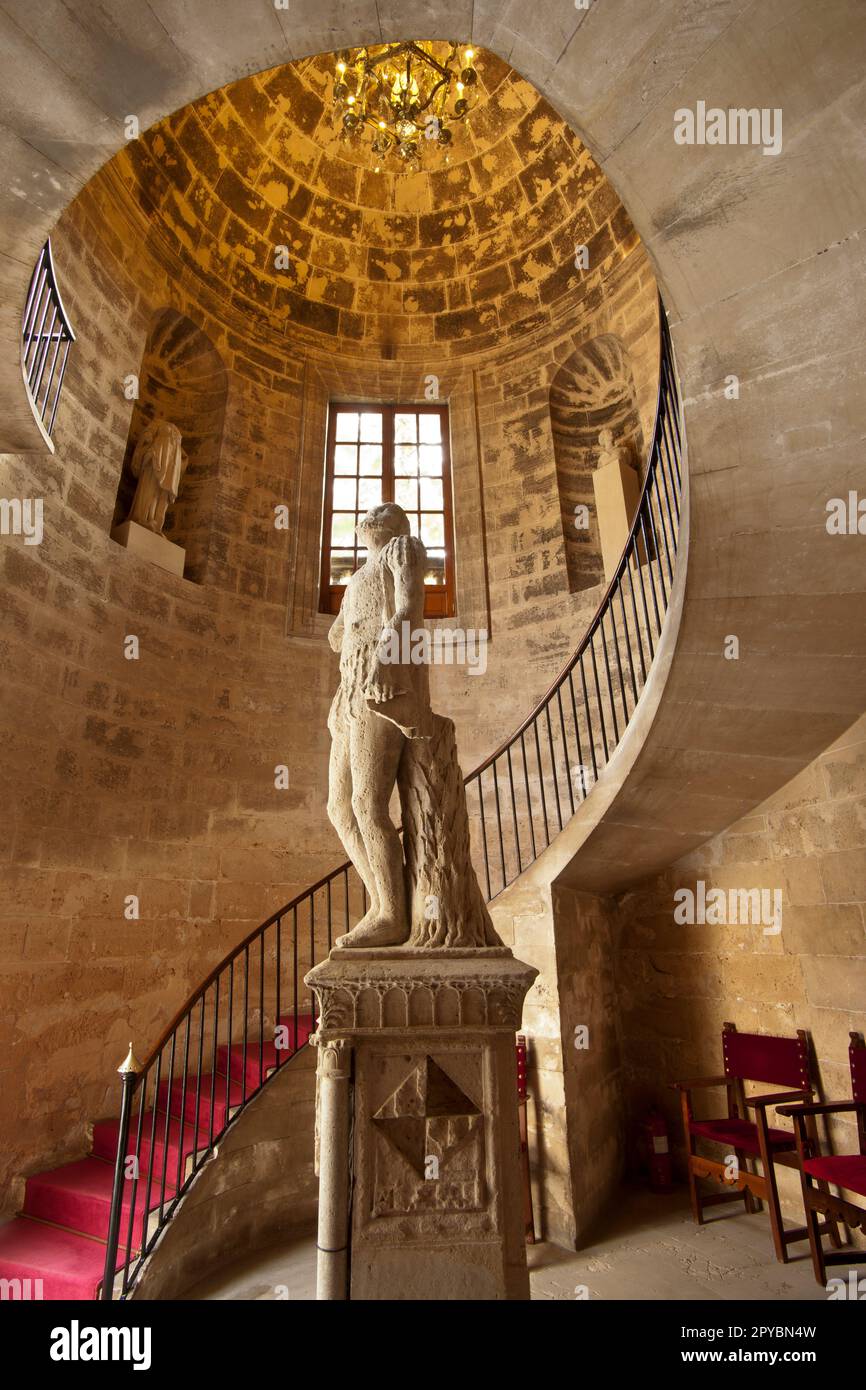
<point>371,458</point>
<point>406,493</point>
<point>369,493</point>
<point>412,475</point>
<point>345,458</point>
<point>371,427</point>
<point>344,494</point>
<point>431,460</point>
<point>342,565</point>
<point>406,460</point>
<point>435,571</point>
<point>342,530</point>
<point>433,529</point>
<point>405,427</point>
<point>431,494</point>
<point>347,424</point>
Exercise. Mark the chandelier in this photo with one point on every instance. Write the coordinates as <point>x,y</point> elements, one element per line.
<point>405,94</point>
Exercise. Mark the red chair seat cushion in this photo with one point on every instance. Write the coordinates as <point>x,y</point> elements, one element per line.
<point>740,1134</point>
<point>845,1170</point>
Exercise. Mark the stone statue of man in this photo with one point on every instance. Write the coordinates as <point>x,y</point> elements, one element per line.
<point>380,704</point>
<point>158,463</point>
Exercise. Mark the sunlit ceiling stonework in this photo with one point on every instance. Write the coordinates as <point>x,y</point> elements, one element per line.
<point>460,254</point>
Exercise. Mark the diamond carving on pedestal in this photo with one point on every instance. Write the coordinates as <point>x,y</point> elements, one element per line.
<point>430,1146</point>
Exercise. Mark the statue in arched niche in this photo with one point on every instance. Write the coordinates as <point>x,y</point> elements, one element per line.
<point>158,463</point>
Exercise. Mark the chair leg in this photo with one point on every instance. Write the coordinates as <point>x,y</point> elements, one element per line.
<point>691,1151</point>
<point>830,1223</point>
<point>697,1208</point>
<point>831,1226</point>
<point>748,1199</point>
<point>773,1204</point>
<point>813,1226</point>
<point>757,1204</point>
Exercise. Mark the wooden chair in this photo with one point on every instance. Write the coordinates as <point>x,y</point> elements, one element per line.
<point>844,1170</point>
<point>770,1060</point>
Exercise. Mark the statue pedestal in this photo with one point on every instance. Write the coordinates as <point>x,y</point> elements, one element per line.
<point>617,493</point>
<point>150,546</point>
<point>417,1063</point>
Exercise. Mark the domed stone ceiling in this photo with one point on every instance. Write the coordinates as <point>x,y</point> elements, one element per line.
<point>455,255</point>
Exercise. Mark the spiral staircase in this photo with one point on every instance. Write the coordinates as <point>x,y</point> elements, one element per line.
<point>86,1228</point>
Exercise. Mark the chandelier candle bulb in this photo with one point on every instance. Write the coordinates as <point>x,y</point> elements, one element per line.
<point>398,89</point>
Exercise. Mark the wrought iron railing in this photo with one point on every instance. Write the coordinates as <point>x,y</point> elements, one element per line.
<point>253,1013</point>
<point>46,336</point>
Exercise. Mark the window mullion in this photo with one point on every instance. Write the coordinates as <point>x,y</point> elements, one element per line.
<point>388,453</point>
<point>325,587</point>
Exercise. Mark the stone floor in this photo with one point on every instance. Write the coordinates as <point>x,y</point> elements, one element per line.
<point>647,1248</point>
<point>286,1270</point>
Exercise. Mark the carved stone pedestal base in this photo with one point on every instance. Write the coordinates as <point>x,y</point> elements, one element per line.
<point>159,550</point>
<point>436,1205</point>
<point>617,493</point>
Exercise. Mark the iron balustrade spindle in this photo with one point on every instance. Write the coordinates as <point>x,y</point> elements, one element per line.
<point>648,552</point>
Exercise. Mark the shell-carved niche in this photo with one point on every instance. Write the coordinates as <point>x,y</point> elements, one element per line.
<point>182,380</point>
<point>592,390</point>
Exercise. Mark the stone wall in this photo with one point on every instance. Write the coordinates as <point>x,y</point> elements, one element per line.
<point>575,1115</point>
<point>677,984</point>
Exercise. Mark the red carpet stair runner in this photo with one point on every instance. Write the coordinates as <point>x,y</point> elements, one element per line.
<point>58,1241</point>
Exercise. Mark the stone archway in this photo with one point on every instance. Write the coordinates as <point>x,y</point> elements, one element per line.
<point>592,390</point>
<point>754,291</point>
<point>182,380</point>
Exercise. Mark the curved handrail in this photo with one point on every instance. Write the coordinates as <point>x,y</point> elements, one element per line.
<point>590,726</point>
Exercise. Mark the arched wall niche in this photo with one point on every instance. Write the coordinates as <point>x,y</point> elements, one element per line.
<point>182,380</point>
<point>594,389</point>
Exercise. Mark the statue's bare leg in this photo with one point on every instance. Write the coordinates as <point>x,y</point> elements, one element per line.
<point>376,746</point>
<point>341,815</point>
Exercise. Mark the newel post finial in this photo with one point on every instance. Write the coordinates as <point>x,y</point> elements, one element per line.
<point>129,1064</point>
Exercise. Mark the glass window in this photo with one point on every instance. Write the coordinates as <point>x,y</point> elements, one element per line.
<point>388,453</point>
<point>347,425</point>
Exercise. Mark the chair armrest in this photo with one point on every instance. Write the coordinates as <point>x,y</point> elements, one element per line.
<point>827,1107</point>
<point>697,1081</point>
<point>762,1102</point>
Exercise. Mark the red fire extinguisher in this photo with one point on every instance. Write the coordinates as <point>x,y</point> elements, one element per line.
<point>522,1098</point>
<point>657,1149</point>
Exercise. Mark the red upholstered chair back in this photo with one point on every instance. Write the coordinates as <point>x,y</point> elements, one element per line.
<point>755,1057</point>
<point>857,1058</point>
